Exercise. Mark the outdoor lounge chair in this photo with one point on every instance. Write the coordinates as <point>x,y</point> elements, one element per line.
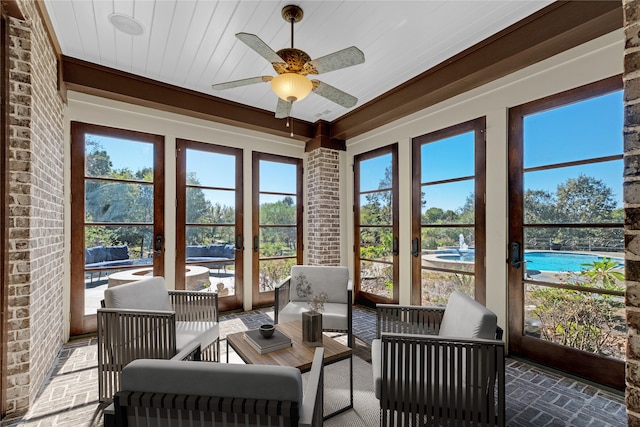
<point>293,293</point>
<point>173,393</point>
<point>435,365</point>
<point>143,320</point>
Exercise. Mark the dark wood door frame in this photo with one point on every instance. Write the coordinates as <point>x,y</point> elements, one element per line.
<point>80,323</point>
<point>267,298</point>
<point>604,370</point>
<point>225,303</point>
<point>362,297</point>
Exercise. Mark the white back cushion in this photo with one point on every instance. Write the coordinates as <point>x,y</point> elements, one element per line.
<point>464,317</point>
<point>308,280</point>
<point>146,294</point>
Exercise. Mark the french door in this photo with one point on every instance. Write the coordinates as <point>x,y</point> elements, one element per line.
<point>566,252</point>
<point>376,226</point>
<point>277,222</point>
<point>117,211</point>
<point>209,241</point>
<point>448,214</point>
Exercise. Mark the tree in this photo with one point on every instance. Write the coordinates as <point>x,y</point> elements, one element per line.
<point>584,199</point>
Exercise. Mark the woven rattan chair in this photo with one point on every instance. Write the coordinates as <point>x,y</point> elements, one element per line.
<point>143,320</point>
<point>434,365</point>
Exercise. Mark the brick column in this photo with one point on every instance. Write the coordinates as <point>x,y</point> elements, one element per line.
<point>323,207</point>
<point>632,204</point>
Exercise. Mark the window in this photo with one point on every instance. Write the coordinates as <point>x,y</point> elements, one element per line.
<point>449,213</point>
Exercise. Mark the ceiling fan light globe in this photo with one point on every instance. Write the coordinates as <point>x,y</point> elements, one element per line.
<point>291,86</point>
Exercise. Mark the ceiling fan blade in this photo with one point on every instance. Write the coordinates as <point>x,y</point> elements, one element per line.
<point>283,109</point>
<point>242,82</point>
<point>255,43</point>
<point>334,61</point>
<point>333,94</point>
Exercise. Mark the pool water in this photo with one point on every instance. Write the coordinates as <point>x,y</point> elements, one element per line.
<point>545,261</point>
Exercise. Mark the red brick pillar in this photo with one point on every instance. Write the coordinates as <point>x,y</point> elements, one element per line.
<point>323,207</point>
<point>632,203</point>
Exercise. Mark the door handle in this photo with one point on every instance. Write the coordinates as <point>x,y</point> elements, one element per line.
<point>395,249</point>
<point>515,255</point>
<point>255,243</point>
<point>415,247</point>
<point>239,243</point>
<point>157,246</point>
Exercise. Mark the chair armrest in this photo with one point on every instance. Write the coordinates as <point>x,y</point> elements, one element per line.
<point>191,306</point>
<point>409,319</point>
<point>350,285</point>
<point>311,410</point>
<point>190,352</point>
<point>281,296</point>
<point>438,340</point>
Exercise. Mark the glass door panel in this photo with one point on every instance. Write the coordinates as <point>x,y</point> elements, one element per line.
<point>209,216</point>
<point>376,226</point>
<point>117,223</point>
<point>277,229</point>
<point>566,221</point>
<point>448,214</point>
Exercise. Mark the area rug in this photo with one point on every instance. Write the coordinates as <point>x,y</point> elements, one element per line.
<point>366,410</point>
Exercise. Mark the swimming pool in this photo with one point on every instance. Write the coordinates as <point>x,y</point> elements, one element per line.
<point>544,261</point>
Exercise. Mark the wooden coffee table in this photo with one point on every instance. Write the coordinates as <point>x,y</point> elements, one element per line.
<point>298,355</point>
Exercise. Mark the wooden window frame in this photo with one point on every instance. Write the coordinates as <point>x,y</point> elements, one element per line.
<point>478,126</point>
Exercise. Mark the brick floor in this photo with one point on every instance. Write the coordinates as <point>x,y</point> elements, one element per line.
<point>535,396</point>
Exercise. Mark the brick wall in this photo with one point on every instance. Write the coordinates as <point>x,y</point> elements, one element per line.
<point>323,207</point>
<point>36,204</point>
<point>632,203</point>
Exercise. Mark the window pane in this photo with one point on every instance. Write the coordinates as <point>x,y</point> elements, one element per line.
<point>118,245</point>
<point>277,177</point>
<point>208,235</point>
<point>582,320</point>
<point>376,243</point>
<point>277,210</point>
<point>376,208</point>
<point>558,255</point>
<point>578,194</point>
<point>448,158</point>
<point>451,203</point>
<point>211,169</point>
<point>587,129</point>
<point>278,241</point>
<point>107,201</point>
<point>210,206</point>
<point>436,286</point>
<point>448,240</point>
<point>273,272</point>
<point>375,173</point>
<point>118,158</point>
<point>376,278</point>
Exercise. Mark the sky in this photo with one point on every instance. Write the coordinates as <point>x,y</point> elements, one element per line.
<point>591,128</point>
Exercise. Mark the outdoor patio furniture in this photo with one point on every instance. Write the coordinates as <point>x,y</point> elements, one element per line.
<point>292,296</point>
<point>144,320</point>
<point>169,392</point>
<point>436,364</point>
<point>212,254</point>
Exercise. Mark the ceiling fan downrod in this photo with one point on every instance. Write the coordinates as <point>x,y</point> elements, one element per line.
<point>292,14</point>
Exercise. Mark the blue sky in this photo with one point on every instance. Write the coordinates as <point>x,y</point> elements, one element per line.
<point>586,129</point>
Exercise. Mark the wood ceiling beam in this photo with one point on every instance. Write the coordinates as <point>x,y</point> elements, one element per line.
<point>109,83</point>
<point>552,30</point>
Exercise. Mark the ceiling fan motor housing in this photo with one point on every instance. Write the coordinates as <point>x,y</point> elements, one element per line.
<point>294,58</point>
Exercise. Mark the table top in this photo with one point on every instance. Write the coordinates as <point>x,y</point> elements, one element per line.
<point>298,355</point>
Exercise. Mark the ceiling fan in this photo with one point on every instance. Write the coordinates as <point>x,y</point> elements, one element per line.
<point>293,65</point>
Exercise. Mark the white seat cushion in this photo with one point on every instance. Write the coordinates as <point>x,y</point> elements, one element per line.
<point>189,332</point>
<point>307,280</point>
<point>146,294</point>
<point>465,317</point>
<point>334,315</point>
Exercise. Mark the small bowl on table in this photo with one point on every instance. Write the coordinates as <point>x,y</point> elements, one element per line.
<point>267,330</point>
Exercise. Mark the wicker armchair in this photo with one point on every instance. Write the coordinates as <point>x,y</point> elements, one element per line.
<point>434,365</point>
<point>143,320</point>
